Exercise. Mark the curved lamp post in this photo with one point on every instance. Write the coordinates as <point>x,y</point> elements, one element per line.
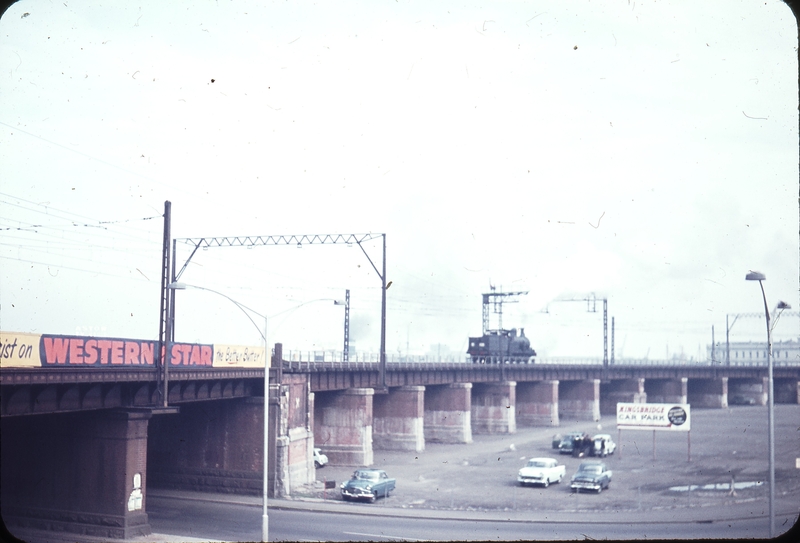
<point>760,277</point>
<point>245,309</point>
<point>263,334</point>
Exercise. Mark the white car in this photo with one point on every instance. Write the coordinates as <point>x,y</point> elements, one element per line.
<point>541,471</point>
<point>320,459</point>
<point>603,445</point>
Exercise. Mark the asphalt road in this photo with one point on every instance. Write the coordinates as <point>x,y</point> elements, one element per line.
<point>227,522</point>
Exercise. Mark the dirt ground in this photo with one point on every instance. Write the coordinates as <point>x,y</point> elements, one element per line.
<point>724,444</point>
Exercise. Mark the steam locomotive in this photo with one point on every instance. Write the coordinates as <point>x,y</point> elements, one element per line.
<point>501,347</point>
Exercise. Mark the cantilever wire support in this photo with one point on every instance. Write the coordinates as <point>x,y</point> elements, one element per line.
<point>299,241</point>
<point>254,241</point>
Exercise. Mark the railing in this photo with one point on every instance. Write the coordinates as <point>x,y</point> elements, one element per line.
<point>394,358</point>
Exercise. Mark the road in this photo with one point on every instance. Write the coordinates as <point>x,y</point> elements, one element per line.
<point>234,522</point>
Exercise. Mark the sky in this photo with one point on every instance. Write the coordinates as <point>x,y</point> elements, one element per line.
<point>645,153</point>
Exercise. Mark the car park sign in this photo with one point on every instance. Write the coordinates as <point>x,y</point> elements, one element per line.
<point>653,416</point>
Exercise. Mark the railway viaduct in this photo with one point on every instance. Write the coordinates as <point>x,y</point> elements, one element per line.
<point>81,445</point>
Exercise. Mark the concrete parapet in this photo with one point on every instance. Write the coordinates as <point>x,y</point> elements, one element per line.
<point>708,392</point>
<point>537,403</point>
<point>621,390</point>
<point>493,408</point>
<point>344,426</point>
<point>579,400</point>
<point>398,419</point>
<point>447,416</point>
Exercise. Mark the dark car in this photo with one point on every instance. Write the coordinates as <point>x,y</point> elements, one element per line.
<point>575,443</point>
<point>367,484</point>
<point>591,475</point>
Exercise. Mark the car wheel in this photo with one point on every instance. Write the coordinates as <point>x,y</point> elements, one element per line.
<point>317,464</point>
<point>373,498</point>
<point>599,489</point>
<point>546,483</point>
<point>346,498</point>
<point>559,479</point>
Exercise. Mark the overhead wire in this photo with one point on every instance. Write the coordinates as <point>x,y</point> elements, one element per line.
<point>92,271</point>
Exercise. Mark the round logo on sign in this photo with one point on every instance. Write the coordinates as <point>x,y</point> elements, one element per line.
<point>677,415</point>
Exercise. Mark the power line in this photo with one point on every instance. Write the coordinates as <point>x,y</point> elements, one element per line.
<point>90,157</point>
<point>93,272</point>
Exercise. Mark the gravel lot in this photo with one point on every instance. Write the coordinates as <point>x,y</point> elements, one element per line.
<point>725,443</point>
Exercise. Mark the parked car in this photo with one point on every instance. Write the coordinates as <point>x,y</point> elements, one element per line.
<point>367,484</point>
<point>742,400</point>
<point>602,445</point>
<point>574,443</point>
<point>591,475</point>
<point>541,471</point>
<point>320,460</point>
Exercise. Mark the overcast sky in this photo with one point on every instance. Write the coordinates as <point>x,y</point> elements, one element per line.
<point>643,152</point>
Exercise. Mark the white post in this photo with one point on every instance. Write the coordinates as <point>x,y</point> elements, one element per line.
<point>264,515</point>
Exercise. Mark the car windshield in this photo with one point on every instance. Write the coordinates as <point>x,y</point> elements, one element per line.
<point>537,464</point>
<point>369,475</point>
<point>591,469</point>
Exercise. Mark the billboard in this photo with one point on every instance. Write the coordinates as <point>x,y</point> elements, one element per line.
<point>653,416</point>
<point>21,350</point>
<point>238,356</point>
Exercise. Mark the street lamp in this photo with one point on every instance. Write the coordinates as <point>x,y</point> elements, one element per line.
<point>263,334</point>
<point>760,277</point>
<point>245,309</point>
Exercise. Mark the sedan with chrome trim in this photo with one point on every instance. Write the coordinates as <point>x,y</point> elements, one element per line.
<point>591,475</point>
<point>541,471</point>
<point>367,484</point>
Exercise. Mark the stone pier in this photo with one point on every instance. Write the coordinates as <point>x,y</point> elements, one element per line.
<point>79,473</point>
<point>448,413</point>
<point>537,403</point>
<point>786,390</point>
<point>667,390</point>
<point>708,392</point>
<point>398,419</point>
<point>748,391</point>
<point>344,426</point>
<point>579,400</point>
<point>493,408</point>
<point>621,390</point>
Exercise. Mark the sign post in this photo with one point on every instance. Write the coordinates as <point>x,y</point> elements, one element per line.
<point>655,416</point>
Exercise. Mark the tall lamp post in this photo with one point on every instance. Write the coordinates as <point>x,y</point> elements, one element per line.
<point>263,334</point>
<point>760,277</point>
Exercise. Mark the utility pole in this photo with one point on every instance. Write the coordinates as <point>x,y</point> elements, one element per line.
<point>612,341</point>
<point>346,350</point>
<point>591,308</point>
<point>164,325</point>
<point>496,300</point>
